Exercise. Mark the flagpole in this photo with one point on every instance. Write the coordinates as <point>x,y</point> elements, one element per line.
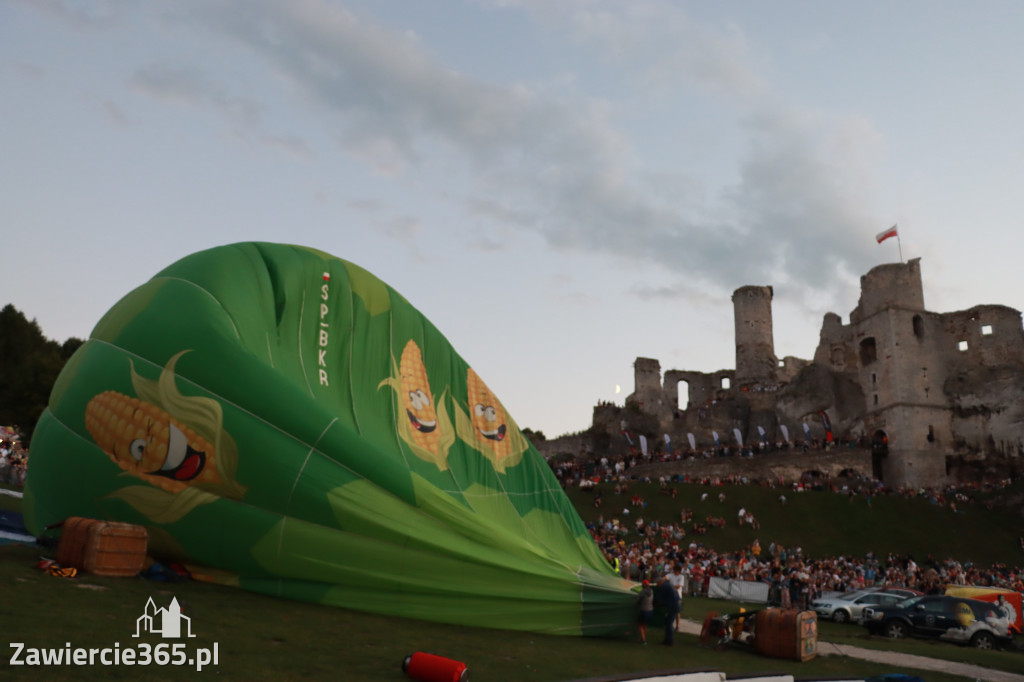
<point>899,243</point>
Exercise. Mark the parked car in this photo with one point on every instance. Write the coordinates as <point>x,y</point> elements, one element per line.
<point>955,619</point>
<point>850,606</point>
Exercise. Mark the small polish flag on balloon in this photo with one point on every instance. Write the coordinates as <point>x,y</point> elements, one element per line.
<point>327,277</point>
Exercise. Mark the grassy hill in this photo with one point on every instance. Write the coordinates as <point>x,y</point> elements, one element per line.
<point>828,524</point>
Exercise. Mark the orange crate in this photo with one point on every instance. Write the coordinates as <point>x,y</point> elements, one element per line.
<point>102,547</point>
<point>786,633</point>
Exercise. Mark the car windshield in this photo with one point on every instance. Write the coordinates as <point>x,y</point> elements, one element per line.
<point>853,594</point>
<point>909,601</point>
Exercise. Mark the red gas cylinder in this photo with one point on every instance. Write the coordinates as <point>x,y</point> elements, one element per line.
<point>431,668</point>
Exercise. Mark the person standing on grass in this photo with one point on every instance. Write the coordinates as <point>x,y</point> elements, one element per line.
<point>677,579</point>
<point>669,601</point>
<point>646,603</point>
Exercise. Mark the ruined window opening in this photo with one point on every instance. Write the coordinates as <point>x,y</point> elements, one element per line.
<point>931,434</point>
<point>876,399</point>
<point>868,351</point>
<point>962,346</point>
<point>726,383</point>
<point>683,395</point>
<point>782,363</point>
<point>918,326</point>
<point>986,329</point>
<point>874,379</point>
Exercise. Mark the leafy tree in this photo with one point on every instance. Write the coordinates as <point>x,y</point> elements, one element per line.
<point>29,365</point>
<point>534,435</point>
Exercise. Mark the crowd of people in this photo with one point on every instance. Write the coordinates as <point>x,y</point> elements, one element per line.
<point>13,463</point>
<point>648,550</point>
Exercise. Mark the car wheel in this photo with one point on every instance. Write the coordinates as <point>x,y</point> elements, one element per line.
<point>840,616</point>
<point>895,629</point>
<point>982,640</point>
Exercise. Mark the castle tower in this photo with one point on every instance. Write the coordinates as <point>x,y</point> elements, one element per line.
<point>892,285</point>
<point>901,352</point>
<point>755,347</point>
<point>647,389</point>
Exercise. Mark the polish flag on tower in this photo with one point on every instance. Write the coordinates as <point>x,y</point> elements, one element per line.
<point>885,234</point>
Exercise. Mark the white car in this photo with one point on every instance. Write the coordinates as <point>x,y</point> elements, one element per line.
<point>850,606</point>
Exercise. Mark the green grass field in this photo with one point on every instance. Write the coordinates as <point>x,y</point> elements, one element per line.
<point>262,638</point>
<point>826,524</point>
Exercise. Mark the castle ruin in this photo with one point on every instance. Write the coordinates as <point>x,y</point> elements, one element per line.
<point>937,396</point>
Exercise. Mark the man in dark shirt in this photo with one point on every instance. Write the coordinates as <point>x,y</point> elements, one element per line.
<point>668,598</point>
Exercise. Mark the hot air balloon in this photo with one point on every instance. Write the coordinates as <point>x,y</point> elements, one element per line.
<point>286,422</point>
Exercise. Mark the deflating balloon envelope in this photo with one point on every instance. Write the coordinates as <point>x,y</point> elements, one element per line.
<point>289,423</point>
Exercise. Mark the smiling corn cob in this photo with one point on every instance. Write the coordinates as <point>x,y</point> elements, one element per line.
<point>418,400</point>
<point>147,442</point>
<point>488,416</point>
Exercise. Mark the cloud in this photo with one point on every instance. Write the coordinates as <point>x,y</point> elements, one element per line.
<point>803,196</point>
<point>399,227</point>
<point>796,213</point>
<point>115,114</point>
<point>189,85</point>
<point>661,44</point>
<point>290,144</point>
<point>364,205</point>
<point>24,70</point>
<point>499,211</point>
<point>82,15</point>
<point>382,94</point>
<point>800,210</point>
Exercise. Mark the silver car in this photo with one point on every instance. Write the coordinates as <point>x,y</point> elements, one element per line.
<point>850,606</point>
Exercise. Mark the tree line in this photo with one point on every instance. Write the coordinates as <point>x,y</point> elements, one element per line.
<point>29,365</point>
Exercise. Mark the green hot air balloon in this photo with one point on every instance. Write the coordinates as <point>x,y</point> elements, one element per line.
<point>285,422</point>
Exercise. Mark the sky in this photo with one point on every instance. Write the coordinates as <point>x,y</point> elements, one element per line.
<point>560,186</point>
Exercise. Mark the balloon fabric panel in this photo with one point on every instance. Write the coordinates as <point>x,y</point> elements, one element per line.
<point>284,421</point>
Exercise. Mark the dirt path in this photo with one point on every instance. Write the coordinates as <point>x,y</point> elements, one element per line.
<point>893,658</point>
<point>917,662</point>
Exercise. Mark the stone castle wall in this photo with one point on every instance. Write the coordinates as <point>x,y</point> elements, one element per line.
<point>939,388</point>
<point>986,336</point>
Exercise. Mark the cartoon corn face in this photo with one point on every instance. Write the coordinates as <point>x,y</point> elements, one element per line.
<point>417,399</point>
<point>421,422</point>
<point>488,416</point>
<point>145,441</point>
